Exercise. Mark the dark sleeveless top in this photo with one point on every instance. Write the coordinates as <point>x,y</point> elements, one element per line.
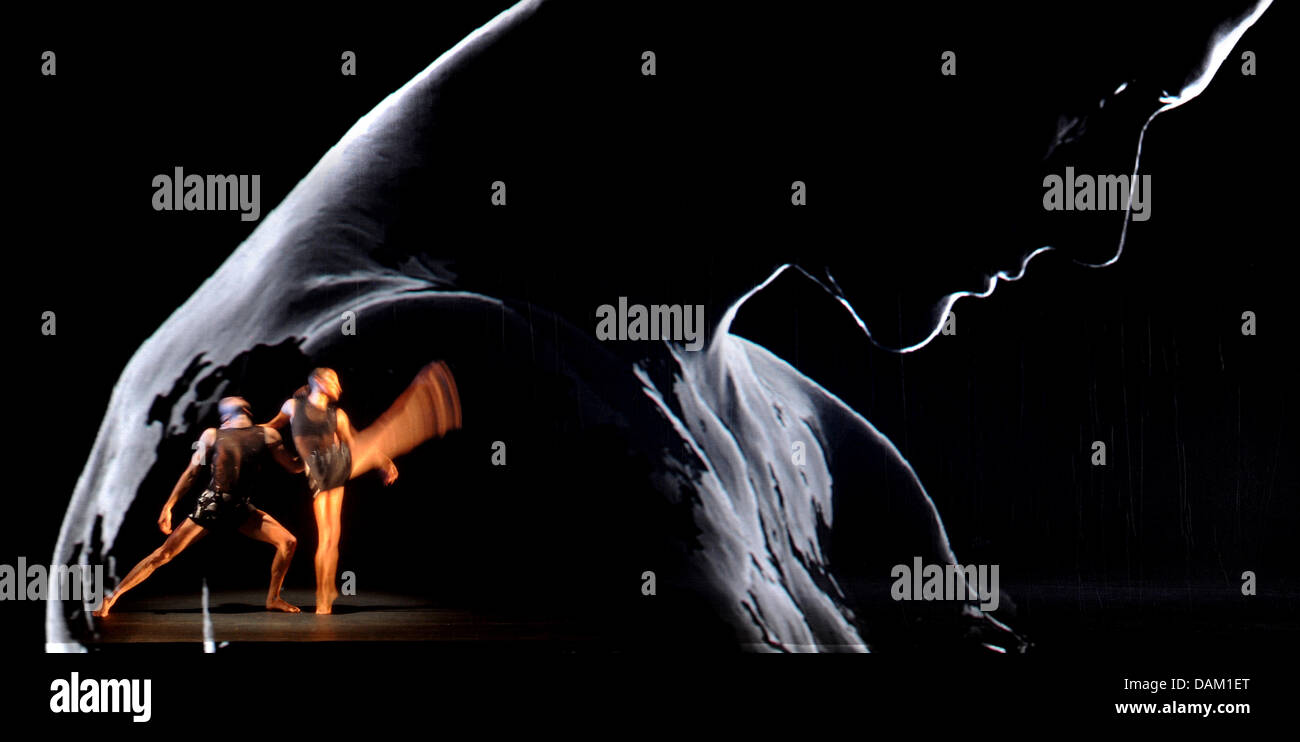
<point>313,429</point>
<point>235,450</point>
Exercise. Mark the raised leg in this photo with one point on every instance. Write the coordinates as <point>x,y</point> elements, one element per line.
<point>429,408</point>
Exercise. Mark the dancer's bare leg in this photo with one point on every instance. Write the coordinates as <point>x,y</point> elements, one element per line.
<point>328,506</point>
<point>187,533</point>
<point>429,408</point>
<point>263,527</point>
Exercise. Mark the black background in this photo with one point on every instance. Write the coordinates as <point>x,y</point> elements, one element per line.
<point>1141,557</point>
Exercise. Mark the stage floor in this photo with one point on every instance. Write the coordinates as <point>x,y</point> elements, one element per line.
<point>239,616</point>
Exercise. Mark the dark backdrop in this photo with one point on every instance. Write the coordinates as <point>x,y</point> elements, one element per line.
<point>1146,356</point>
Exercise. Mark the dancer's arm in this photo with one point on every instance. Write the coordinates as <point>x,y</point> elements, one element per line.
<point>282,417</point>
<point>285,415</point>
<point>347,435</point>
<point>281,452</point>
<point>197,461</point>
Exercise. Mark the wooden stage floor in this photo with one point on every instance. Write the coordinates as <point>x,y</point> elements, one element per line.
<point>239,617</point>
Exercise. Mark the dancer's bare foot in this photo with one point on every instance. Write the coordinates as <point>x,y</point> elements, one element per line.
<point>103,610</point>
<point>325,603</point>
<point>280,604</point>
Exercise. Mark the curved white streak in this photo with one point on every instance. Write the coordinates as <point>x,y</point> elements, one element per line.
<point>376,114</point>
<point>724,324</point>
<point>1222,46</point>
<point>991,283</point>
<point>1128,207</point>
<point>858,418</point>
<point>329,322</point>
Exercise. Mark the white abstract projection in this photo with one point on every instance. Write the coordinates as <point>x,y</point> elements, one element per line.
<point>736,407</point>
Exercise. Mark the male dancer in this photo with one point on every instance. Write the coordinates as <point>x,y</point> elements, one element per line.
<point>231,452</point>
<point>334,453</point>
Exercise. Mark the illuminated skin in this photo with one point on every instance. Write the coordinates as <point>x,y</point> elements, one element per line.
<point>428,408</point>
<point>327,505</point>
<point>259,526</point>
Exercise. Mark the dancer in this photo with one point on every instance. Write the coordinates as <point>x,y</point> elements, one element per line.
<point>232,452</point>
<point>335,453</point>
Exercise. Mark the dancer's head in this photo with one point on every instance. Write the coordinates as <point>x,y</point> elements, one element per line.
<point>234,407</point>
<point>326,381</point>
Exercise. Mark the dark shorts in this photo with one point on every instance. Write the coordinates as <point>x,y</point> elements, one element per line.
<point>329,468</point>
<point>222,510</point>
